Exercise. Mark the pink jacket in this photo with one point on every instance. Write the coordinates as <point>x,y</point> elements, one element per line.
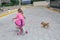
<point>18,17</point>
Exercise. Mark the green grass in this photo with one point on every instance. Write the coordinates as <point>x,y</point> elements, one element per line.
<point>10,4</point>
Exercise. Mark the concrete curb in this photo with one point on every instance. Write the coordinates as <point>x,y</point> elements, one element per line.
<point>12,11</point>
<point>53,9</point>
<point>8,12</point>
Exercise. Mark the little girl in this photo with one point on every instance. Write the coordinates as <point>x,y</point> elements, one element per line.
<point>20,21</point>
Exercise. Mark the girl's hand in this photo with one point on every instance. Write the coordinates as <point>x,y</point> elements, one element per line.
<point>13,19</point>
<point>24,17</point>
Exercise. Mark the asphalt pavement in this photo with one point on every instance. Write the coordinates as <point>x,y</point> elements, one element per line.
<point>34,17</point>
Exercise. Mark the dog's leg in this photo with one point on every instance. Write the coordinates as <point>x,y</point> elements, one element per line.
<point>43,26</point>
<point>47,26</point>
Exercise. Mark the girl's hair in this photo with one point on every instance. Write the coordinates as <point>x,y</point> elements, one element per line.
<point>19,10</point>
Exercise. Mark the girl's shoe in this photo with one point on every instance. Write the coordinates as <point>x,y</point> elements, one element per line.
<point>26,32</point>
<point>19,33</point>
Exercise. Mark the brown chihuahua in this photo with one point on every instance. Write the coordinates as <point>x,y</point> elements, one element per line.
<point>45,24</point>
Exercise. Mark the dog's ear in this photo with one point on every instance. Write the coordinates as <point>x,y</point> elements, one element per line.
<point>42,22</point>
